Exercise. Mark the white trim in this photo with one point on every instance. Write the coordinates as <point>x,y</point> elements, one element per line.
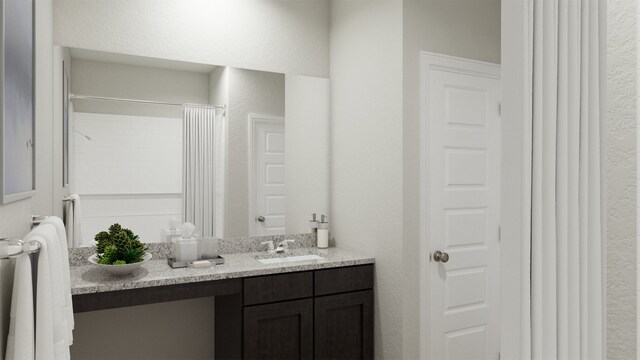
<point>432,61</point>
<point>254,120</point>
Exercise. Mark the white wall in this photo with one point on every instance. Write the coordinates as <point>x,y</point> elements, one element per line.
<point>172,330</point>
<point>307,150</point>
<point>250,92</point>
<point>61,56</point>
<point>512,294</point>
<point>14,217</point>
<point>621,179</point>
<point>464,28</point>
<point>272,35</point>
<point>43,201</point>
<point>219,85</point>
<point>638,178</point>
<point>366,150</point>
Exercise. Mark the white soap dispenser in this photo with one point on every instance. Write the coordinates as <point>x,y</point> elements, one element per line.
<point>323,232</point>
<point>313,224</point>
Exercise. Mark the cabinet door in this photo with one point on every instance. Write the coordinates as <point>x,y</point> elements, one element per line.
<point>344,326</point>
<point>282,330</point>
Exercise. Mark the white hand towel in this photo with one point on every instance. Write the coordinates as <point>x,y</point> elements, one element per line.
<point>64,251</point>
<point>77,224</point>
<point>52,340</point>
<point>21,342</point>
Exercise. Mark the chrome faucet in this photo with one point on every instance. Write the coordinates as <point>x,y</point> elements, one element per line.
<point>270,244</point>
<point>283,246</point>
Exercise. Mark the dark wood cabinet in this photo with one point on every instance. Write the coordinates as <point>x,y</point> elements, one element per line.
<point>273,288</point>
<point>281,330</point>
<point>321,314</point>
<point>343,326</point>
<point>343,279</point>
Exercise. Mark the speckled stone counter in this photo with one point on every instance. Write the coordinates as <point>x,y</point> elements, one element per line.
<point>88,279</point>
<point>79,256</point>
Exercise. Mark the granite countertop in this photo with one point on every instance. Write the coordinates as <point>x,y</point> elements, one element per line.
<point>87,279</point>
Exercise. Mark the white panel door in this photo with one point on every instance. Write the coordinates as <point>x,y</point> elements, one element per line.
<point>461,100</point>
<point>268,172</point>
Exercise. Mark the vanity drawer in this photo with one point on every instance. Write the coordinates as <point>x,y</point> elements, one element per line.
<point>271,288</point>
<point>344,279</point>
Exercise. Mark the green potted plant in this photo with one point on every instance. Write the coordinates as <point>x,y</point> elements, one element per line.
<point>119,250</point>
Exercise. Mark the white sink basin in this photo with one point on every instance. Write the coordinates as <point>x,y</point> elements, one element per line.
<point>288,259</point>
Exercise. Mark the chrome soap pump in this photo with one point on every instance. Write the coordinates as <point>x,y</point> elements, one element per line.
<point>313,224</point>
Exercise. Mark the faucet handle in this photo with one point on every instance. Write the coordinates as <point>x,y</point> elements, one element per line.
<point>270,244</point>
<point>285,243</point>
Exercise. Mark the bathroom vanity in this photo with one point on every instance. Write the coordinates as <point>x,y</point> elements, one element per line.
<point>317,309</point>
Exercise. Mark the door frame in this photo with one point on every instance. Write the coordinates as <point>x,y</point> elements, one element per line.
<point>253,121</point>
<point>429,61</point>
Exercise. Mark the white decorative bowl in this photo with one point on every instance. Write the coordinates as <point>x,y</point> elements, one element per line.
<point>120,270</point>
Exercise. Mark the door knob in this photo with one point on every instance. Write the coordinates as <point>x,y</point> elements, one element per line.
<point>261,218</point>
<point>443,257</point>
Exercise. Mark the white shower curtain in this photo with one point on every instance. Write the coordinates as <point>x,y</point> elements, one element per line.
<point>567,40</point>
<point>199,168</point>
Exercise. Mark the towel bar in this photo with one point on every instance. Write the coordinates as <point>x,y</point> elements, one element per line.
<point>68,215</point>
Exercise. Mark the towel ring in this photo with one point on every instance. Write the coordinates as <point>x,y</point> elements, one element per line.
<point>25,248</point>
<point>15,242</point>
<point>31,243</point>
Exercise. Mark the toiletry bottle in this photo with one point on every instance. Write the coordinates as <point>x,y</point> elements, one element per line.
<point>168,235</point>
<point>209,247</point>
<point>313,224</point>
<point>188,245</point>
<point>323,232</point>
<point>186,249</point>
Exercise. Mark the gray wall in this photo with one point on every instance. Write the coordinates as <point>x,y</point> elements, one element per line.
<point>366,150</point>
<point>464,28</point>
<point>621,179</point>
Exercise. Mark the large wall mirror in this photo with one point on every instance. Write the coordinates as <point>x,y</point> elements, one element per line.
<point>254,145</point>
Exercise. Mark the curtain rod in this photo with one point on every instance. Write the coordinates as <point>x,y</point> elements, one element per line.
<point>103,98</point>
